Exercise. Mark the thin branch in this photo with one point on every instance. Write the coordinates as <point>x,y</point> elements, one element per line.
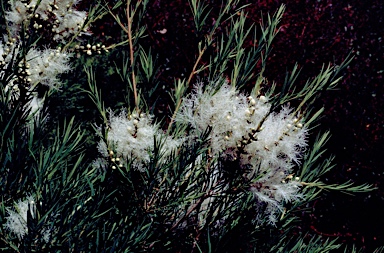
<point>131,54</point>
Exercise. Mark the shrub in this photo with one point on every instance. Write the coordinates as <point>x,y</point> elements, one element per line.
<point>229,171</point>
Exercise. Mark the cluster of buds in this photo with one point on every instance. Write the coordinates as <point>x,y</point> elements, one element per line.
<point>6,51</point>
<point>254,129</point>
<point>91,49</point>
<point>114,160</point>
<point>290,178</point>
<point>252,102</point>
<point>22,75</point>
<point>135,117</point>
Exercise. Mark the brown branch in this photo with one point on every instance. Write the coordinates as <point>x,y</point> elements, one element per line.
<point>193,72</point>
<point>131,54</point>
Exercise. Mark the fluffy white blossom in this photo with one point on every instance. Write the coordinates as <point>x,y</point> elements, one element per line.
<point>279,142</point>
<point>61,17</point>
<point>17,219</point>
<point>70,24</point>
<point>132,137</point>
<point>273,191</point>
<point>46,66</point>
<point>267,143</point>
<point>40,66</point>
<point>227,112</point>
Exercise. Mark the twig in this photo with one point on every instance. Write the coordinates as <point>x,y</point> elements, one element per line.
<point>193,72</point>
<point>131,54</point>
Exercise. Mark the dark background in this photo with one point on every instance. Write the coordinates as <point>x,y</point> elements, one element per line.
<point>313,32</point>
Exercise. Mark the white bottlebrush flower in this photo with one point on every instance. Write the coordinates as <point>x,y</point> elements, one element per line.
<point>7,53</point>
<point>244,128</point>
<point>17,13</point>
<point>273,191</point>
<point>228,113</point>
<point>17,217</point>
<point>132,137</point>
<point>279,143</point>
<point>70,24</point>
<point>66,21</point>
<point>46,66</point>
<point>42,66</point>
<point>17,220</point>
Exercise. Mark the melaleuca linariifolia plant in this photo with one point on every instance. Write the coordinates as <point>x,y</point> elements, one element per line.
<point>228,164</point>
<point>227,159</point>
